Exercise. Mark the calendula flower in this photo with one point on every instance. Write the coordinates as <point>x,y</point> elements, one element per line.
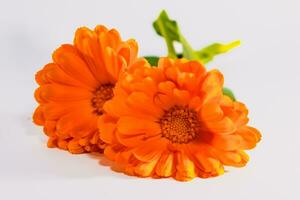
<point>74,87</point>
<point>174,121</point>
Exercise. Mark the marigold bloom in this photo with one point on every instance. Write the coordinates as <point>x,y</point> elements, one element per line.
<point>74,87</point>
<point>174,121</point>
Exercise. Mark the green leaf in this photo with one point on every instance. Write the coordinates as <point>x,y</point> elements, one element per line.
<point>208,53</point>
<point>204,55</point>
<point>164,26</point>
<point>188,51</point>
<point>169,30</point>
<point>152,60</point>
<point>229,93</point>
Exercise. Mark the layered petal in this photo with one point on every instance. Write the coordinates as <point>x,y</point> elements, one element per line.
<point>174,121</point>
<point>75,86</point>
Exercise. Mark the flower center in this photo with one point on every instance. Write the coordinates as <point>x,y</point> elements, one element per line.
<point>101,95</point>
<point>179,124</point>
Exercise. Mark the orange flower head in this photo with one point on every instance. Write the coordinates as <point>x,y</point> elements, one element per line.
<point>74,87</point>
<point>174,121</point>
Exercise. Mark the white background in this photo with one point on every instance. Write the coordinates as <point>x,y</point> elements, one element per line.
<point>264,73</point>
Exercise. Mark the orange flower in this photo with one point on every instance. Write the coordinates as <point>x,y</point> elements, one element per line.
<point>74,87</point>
<point>174,121</point>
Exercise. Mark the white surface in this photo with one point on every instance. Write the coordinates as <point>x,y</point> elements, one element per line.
<point>263,72</point>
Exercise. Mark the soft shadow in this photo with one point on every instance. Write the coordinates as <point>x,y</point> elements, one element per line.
<point>43,162</point>
<point>104,162</point>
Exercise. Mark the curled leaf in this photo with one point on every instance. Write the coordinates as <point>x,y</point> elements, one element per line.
<point>208,53</point>
<point>170,31</point>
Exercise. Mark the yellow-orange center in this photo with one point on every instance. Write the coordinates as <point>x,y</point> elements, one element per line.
<point>101,95</point>
<point>179,124</point>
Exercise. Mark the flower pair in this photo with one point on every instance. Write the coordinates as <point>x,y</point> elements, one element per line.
<point>169,120</point>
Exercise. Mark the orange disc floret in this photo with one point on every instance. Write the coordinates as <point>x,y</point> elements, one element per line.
<point>75,85</point>
<point>174,121</point>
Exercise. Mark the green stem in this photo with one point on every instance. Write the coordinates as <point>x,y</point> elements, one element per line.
<point>170,45</point>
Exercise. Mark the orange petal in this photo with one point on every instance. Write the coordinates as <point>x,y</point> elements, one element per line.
<point>38,116</point>
<point>84,141</point>
<point>148,83</point>
<point>150,149</point>
<point>194,67</point>
<point>114,64</point>
<point>62,144</point>
<point>68,58</point>
<point>233,158</point>
<point>185,167</point>
<point>210,112</point>
<point>143,103</point>
<point>124,52</point>
<point>238,114</point>
<point>50,128</point>
<point>55,110</point>
<point>117,107</point>
<point>212,86</point>
<point>77,124</point>
<point>195,103</point>
<point>166,87</point>
<point>164,96</point>
<point>38,96</point>
<point>55,74</point>
<point>86,41</point>
<point>146,169</point>
<point>167,65</point>
<point>181,97</point>
<point>99,29</point>
<point>132,126</point>
<point>223,126</point>
<point>163,101</point>
<point>250,136</point>
<point>108,38</point>
<point>40,77</point>
<point>52,142</point>
<point>188,81</point>
<point>110,153</point>
<point>133,51</point>
<point>57,92</point>
<point>226,102</point>
<point>74,147</point>
<point>227,142</point>
<point>186,74</point>
<point>107,127</point>
<point>208,164</point>
<point>164,167</point>
<point>130,140</point>
<point>95,137</point>
<point>124,156</point>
